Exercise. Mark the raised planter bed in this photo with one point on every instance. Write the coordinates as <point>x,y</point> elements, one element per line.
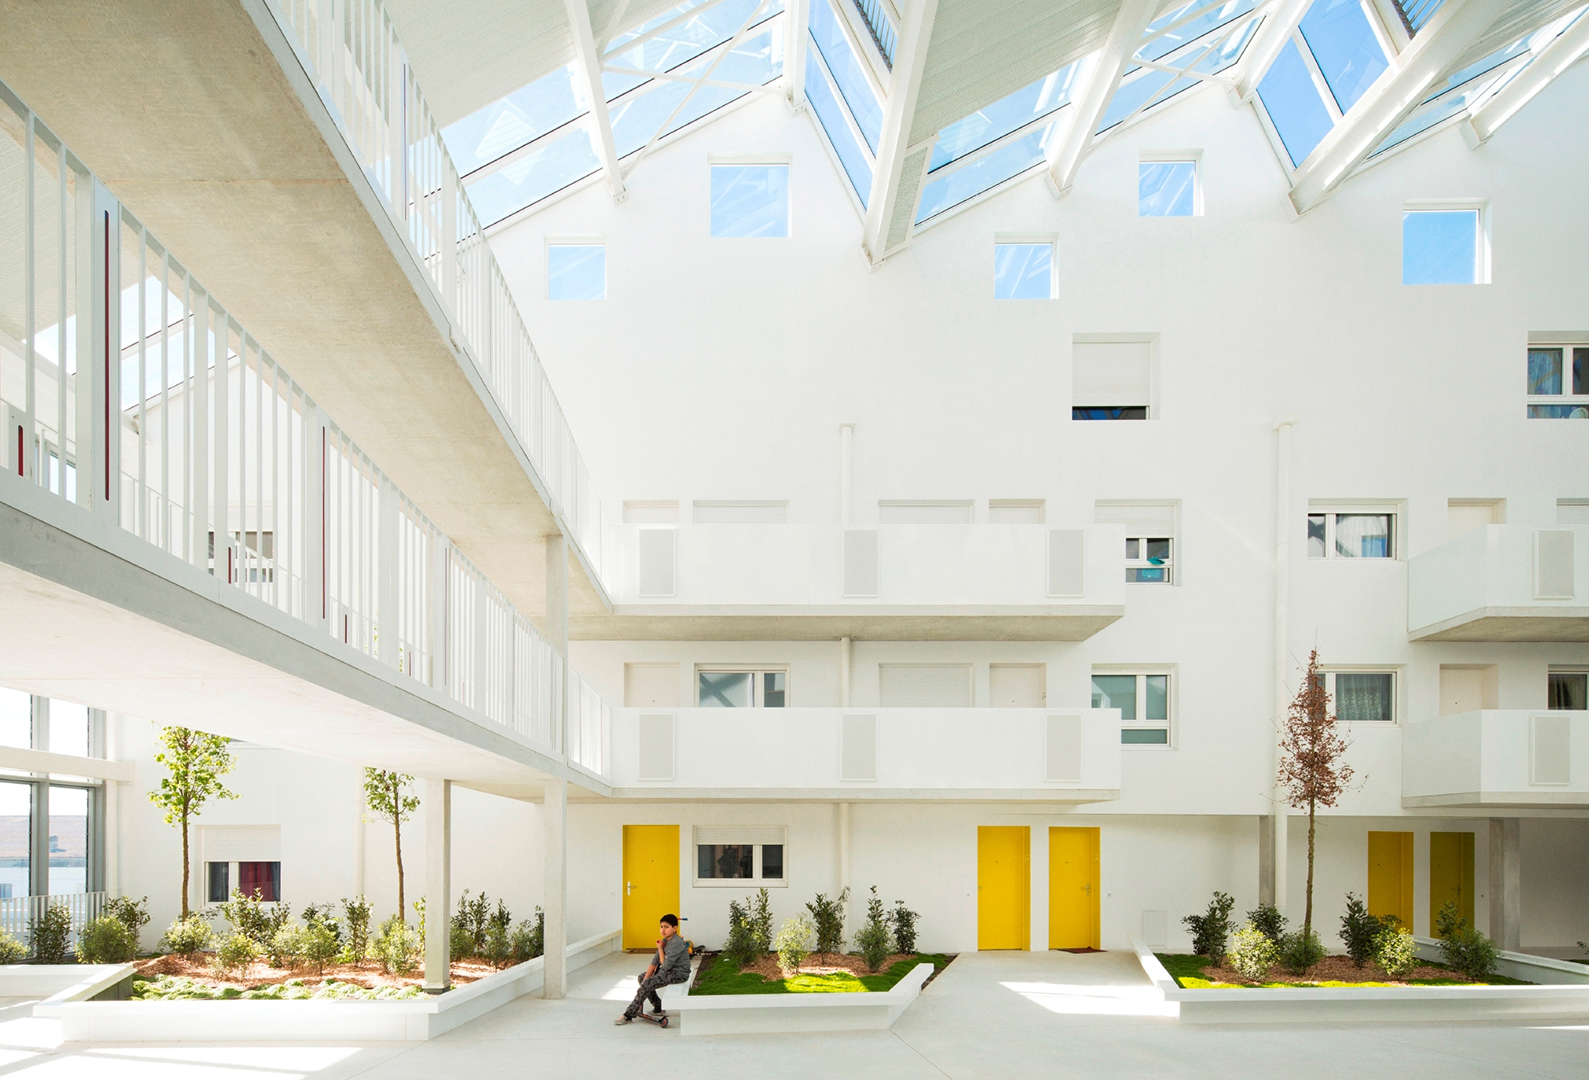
<point>732,1014</point>
<point>1553,998</point>
<point>95,1021</point>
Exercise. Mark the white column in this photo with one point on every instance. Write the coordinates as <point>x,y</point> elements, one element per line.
<point>555,902</point>
<point>1506,883</point>
<point>1283,528</point>
<point>438,884</point>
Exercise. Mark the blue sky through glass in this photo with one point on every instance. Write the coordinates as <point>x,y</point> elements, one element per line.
<point>576,272</point>
<point>527,113</point>
<point>1348,53</point>
<point>1023,271</point>
<point>551,167</point>
<point>750,200</point>
<point>986,125</point>
<point>1439,247</point>
<point>1294,105</point>
<point>831,116</point>
<point>847,73</point>
<point>986,172</point>
<point>1167,189</point>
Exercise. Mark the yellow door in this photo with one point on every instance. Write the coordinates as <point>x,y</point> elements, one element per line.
<point>650,881</point>
<point>1450,874</point>
<point>1004,886</point>
<point>1390,875</point>
<point>1073,888</point>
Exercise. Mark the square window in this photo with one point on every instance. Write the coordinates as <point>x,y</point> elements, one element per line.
<point>750,200</point>
<point>1144,704</point>
<point>1116,692</point>
<point>1352,536</point>
<point>1364,697</point>
<point>718,861</point>
<point>1560,375</point>
<point>263,878</point>
<point>1148,559</point>
<point>1167,189</point>
<point>1440,247</point>
<point>576,272</point>
<point>1023,271</point>
<point>1568,690</point>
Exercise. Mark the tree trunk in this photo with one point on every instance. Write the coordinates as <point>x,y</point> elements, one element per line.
<point>184,863</point>
<point>1307,918</point>
<point>397,831</point>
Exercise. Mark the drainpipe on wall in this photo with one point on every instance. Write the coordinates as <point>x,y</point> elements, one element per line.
<point>1275,886</point>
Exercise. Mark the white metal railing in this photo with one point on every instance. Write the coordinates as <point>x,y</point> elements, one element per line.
<point>589,727</point>
<point>350,51</point>
<point>19,914</point>
<point>179,428</point>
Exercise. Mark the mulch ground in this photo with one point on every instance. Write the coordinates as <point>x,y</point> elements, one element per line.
<point>201,969</point>
<point>1337,969</point>
<point>821,964</point>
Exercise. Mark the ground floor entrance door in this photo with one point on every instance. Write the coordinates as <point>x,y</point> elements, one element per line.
<point>1450,874</point>
<point>1004,886</point>
<point>1073,888</point>
<point>650,881</point>
<point>1390,875</point>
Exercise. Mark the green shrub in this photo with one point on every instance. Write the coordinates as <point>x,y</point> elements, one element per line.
<point>255,918</point>
<point>1395,951</point>
<point>188,936</point>
<point>1252,953</point>
<point>1463,948</point>
<point>468,931</point>
<point>1268,921</point>
<point>499,948</point>
<point>793,943</point>
<point>460,942</point>
<point>356,912</point>
<point>528,939</point>
<point>740,946</point>
<point>106,940</point>
<point>236,951</point>
<point>1211,929</point>
<point>52,935</point>
<point>285,947</point>
<point>396,947</point>
<point>12,951</point>
<point>827,920</point>
<point>134,914</point>
<point>1300,950</point>
<point>904,921</point>
<point>323,915</point>
<point>1360,931</point>
<point>761,922</point>
<point>875,940</point>
<point>318,945</point>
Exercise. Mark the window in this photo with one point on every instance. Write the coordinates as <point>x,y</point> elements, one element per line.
<point>1023,271</point>
<point>1111,380</point>
<point>1362,696</point>
<point>1558,382</point>
<point>576,271</point>
<point>1148,559</point>
<point>736,856</point>
<point>1150,538</point>
<point>219,882</point>
<point>1568,690</point>
<point>742,688</point>
<point>1168,189</point>
<point>1572,511</point>
<point>68,839</point>
<point>1144,704</point>
<point>261,877</point>
<point>750,200</point>
<point>16,827</point>
<point>1443,247</point>
<point>1351,536</point>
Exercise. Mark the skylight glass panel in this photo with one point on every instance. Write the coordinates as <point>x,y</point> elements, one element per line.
<point>576,272</point>
<point>750,200</point>
<point>1439,247</point>
<point>549,168</point>
<point>1347,50</point>
<point>681,44</point>
<point>1023,271</point>
<point>1167,188</point>
<point>526,114</point>
<point>1145,88</point>
<point>986,172</point>
<point>756,61</point>
<point>847,72</point>
<point>970,133</point>
<point>620,40</point>
<point>1213,18</point>
<point>1131,95</point>
<point>1294,106</point>
<point>830,114</point>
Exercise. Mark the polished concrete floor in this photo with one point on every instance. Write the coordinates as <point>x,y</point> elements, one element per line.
<point>990,1016</point>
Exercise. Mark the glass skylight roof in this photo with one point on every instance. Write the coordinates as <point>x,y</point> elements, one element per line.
<point>1348,52</point>
<point>847,72</point>
<point>843,98</point>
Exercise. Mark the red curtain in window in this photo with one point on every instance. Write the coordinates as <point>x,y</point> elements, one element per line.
<point>264,876</point>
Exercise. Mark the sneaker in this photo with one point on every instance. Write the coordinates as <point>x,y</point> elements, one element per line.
<point>624,1020</point>
<point>658,1013</point>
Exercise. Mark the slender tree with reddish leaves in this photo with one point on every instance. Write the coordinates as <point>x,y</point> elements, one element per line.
<point>1312,772</point>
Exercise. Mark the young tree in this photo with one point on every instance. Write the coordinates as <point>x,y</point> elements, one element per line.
<point>1312,773</point>
<point>386,795</point>
<point>196,761</point>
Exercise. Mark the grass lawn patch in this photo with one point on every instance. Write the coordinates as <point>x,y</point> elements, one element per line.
<point>722,976</point>
<point>1190,973</point>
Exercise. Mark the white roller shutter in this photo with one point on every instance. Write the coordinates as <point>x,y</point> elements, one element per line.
<point>740,834</point>
<point>240,843</point>
<point>1111,373</point>
<point>1140,519</point>
<point>1572,511</point>
<point>944,686</point>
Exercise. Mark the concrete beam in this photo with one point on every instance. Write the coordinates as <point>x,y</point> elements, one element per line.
<point>555,900</point>
<point>1506,883</point>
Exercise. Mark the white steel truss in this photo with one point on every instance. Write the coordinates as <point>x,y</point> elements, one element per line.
<point>910,61</point>
<point>1566,50</point>
<point>588,62</point>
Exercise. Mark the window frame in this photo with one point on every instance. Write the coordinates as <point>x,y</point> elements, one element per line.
<point>757,842</point>
<point>1140,560</point>
<point>1051,242</point>
<point>1171,689</point>
<point>1394,671</point>
<point>572,242</point>
<point>1566,398</point>
<point>744,161</point>
<point>758,687</point>
<point>1581,670</point>
<point>1331,511</point>
<point>1479,208</point>
<point>1194,158</point>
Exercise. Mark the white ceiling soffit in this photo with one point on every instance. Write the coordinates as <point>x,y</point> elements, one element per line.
<point>1520,18</point>
<point>984,50</point>
<point>467,55</point>
<point>633,13</point>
